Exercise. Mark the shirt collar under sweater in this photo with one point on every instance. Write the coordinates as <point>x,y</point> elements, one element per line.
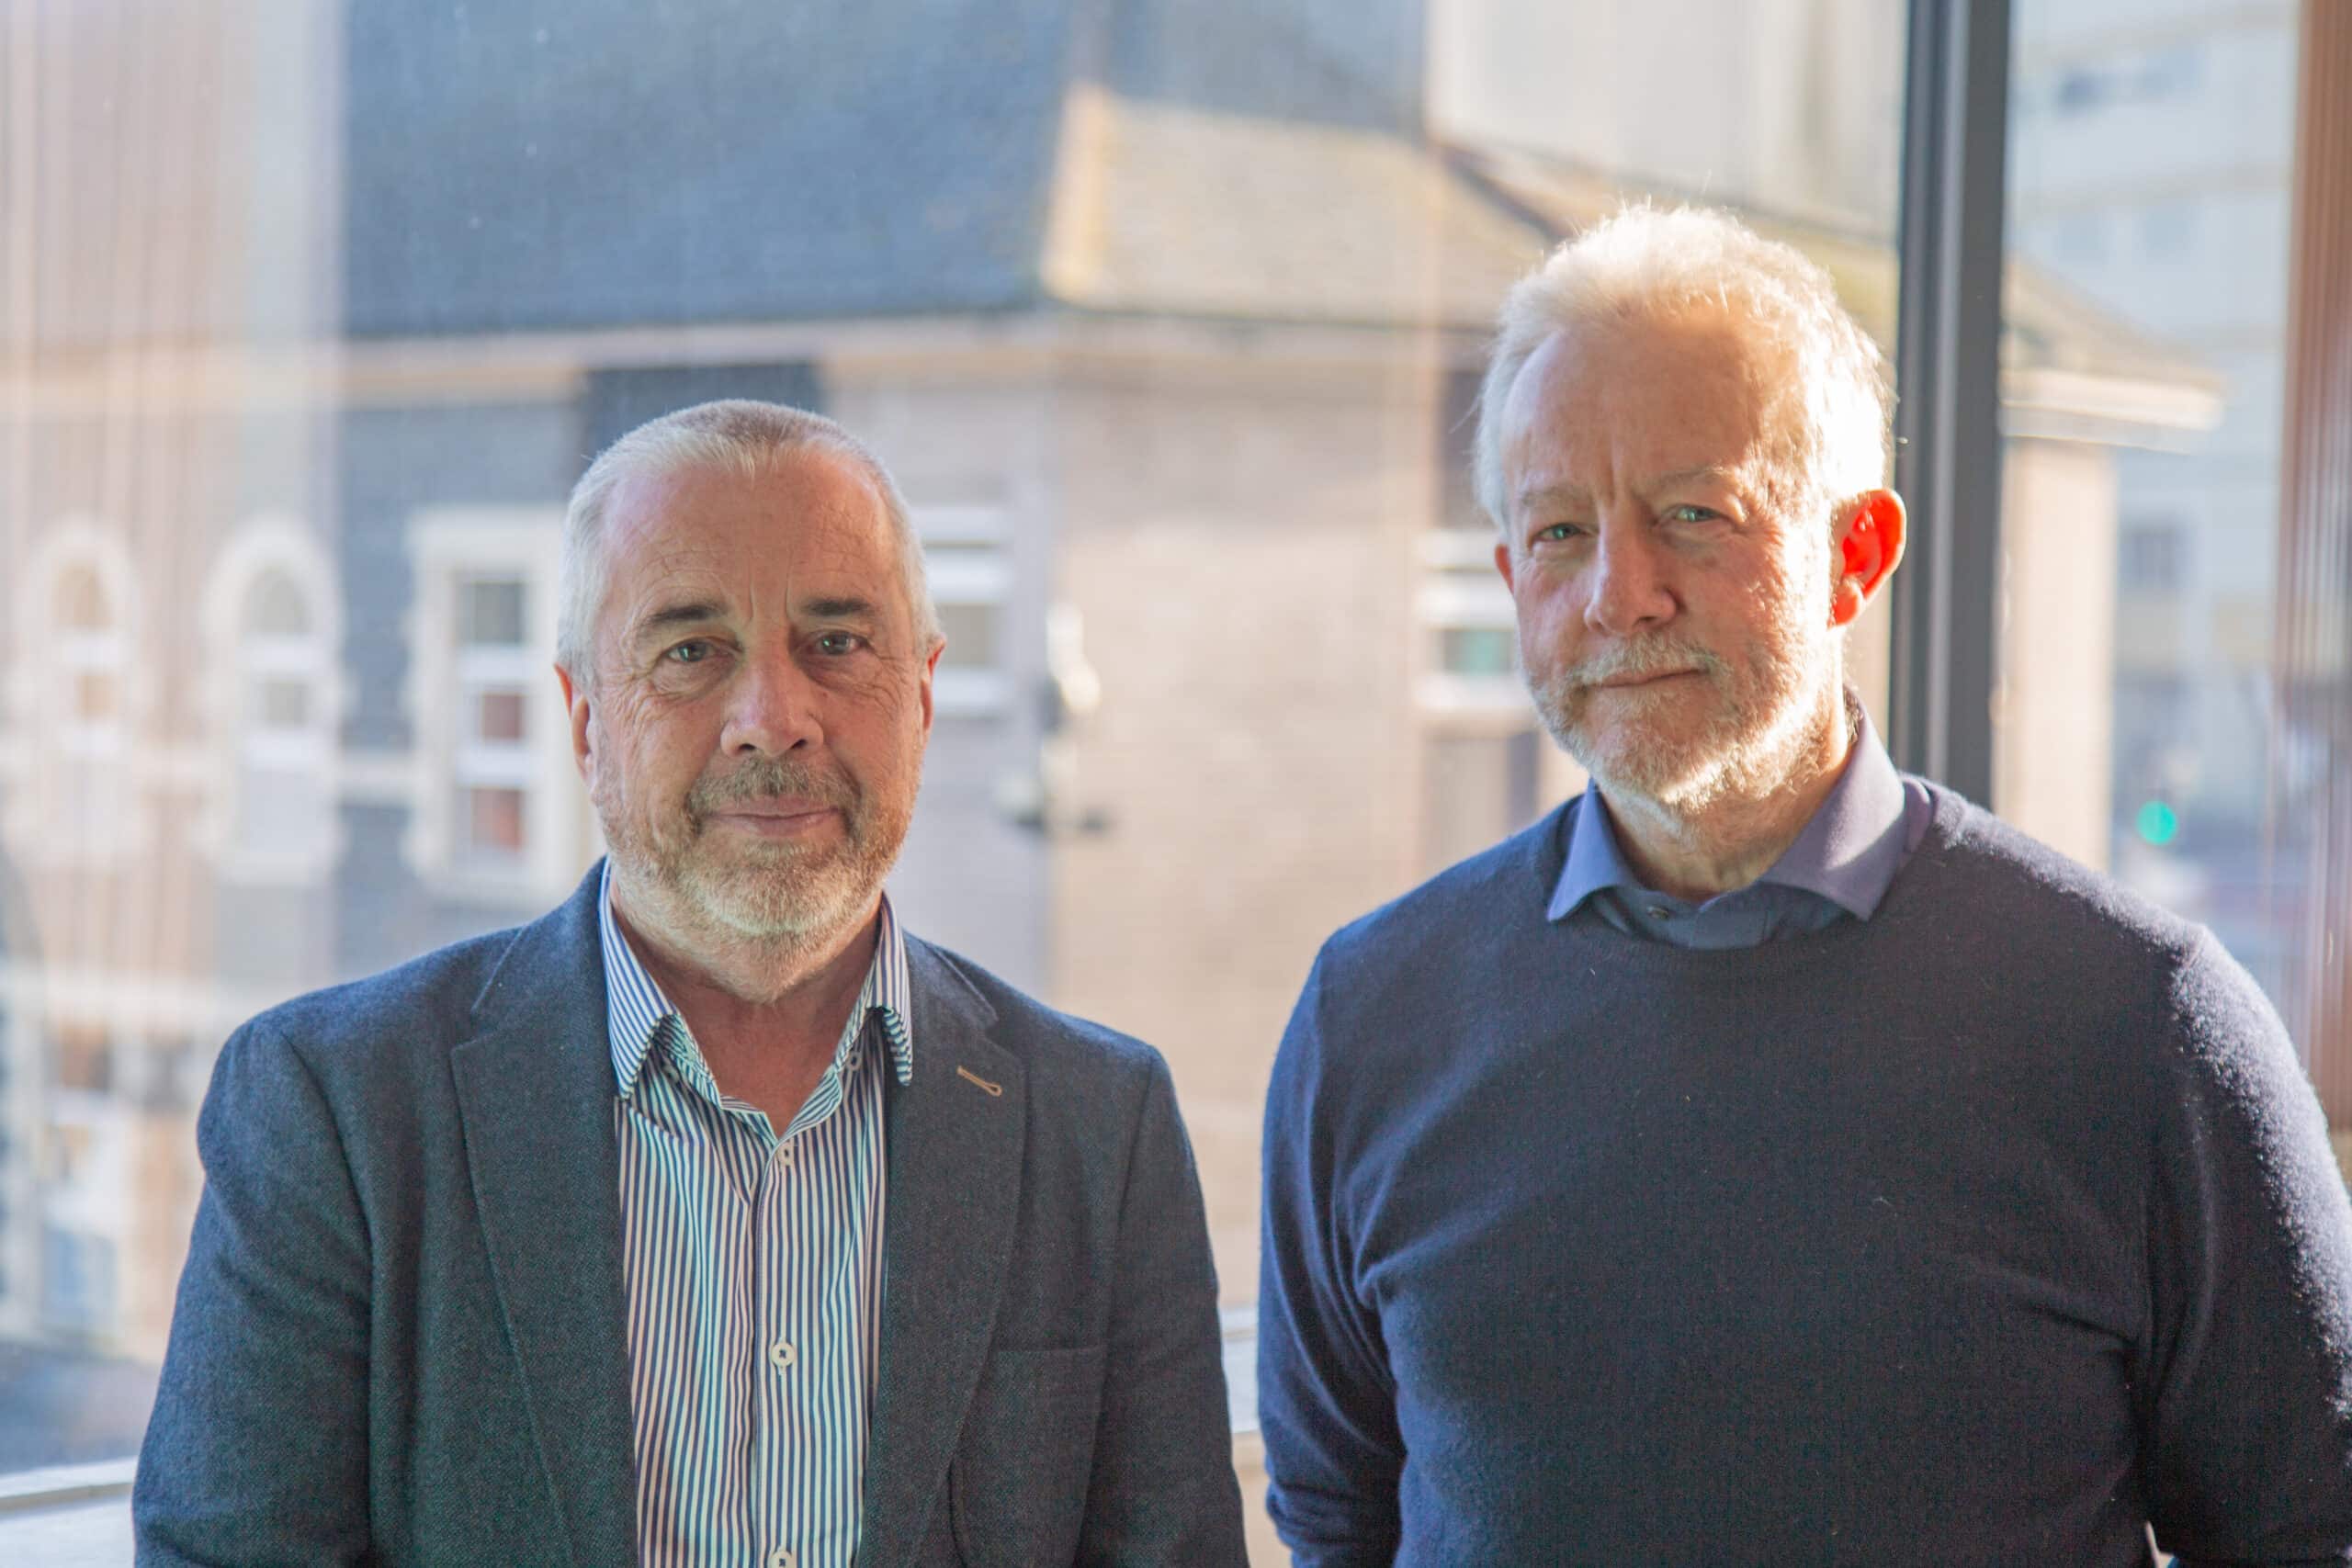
<point>1842,863</point>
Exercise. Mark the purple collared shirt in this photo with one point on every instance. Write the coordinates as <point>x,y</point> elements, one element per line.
<point>1840,865</point>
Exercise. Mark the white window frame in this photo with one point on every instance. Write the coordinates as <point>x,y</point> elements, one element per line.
<point>96,1203</point>
<point>273,545</point>
<point>447,547</point>
<point>968,576</point>
<point>62,764</point>
<point>1461,590</point>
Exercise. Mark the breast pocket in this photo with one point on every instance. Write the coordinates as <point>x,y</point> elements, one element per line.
<point>1017,1486</point>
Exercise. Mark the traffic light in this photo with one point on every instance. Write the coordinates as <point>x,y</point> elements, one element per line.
<point>2158,823</point>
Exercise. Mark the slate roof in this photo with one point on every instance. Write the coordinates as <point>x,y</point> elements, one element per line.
<point>706,159</point>
<point>544,165</point>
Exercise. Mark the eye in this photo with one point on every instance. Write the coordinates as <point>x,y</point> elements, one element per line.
<point>837,644</point>
<point>693,651</point>
<point>1558,532</point>
<point>1688,512</point>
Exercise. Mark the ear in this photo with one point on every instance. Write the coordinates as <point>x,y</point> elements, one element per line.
<point>1869,546</point>
<point>930,673</point>
<point>1502,564</point>
<point>575,705</point>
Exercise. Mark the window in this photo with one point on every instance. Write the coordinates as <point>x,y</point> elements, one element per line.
<point>78,1281</point>
<point>491,766</point>
<point>80,688</point>
<point>273,636</point>
<point>966,558</point>
<point>2151,557</point>
<point>498,809</point>
<point>1174,343</point>
<point>89,1198</point>
<point>1470,627</point>
<point>2153,712</point>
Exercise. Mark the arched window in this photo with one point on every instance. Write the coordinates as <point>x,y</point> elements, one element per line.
<point>90,651</point>
<point>275,687</point>
<point>76,689</point>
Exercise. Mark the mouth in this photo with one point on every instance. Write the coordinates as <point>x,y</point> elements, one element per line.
<point>782,818</point>
<point>1634,682</point>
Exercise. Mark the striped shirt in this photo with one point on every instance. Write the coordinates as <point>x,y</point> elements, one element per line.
<point>753,1263</point>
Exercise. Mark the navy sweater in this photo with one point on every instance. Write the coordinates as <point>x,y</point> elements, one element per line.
<point>1991,1230</point>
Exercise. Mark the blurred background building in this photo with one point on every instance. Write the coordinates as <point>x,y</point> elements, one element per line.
<point>2151,171</point>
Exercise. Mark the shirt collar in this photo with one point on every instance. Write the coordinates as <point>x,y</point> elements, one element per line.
<point>1850,851</point>
<point>635,1006</point>
<point>1848,854</point>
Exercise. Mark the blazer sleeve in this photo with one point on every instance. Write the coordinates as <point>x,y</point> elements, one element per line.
<point>257,1449</point>
<point>1325,1401</point>
<point>2247,1387</point>
<point>1162,1488</point>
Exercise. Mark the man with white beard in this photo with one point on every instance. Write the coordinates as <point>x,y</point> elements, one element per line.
<point>1771,1158</point>
<point>712,1218</point>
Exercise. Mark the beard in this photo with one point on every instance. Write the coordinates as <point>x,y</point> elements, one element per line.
<point>791,895</point>
<point>1754,714</point>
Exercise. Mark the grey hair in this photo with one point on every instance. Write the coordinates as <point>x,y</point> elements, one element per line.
<point>1646,262</point>
<point>735,435</point>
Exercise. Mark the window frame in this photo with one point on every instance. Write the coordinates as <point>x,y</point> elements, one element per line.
<point>1951,255</point>
<point>447,547</point>
<point>57,758</point>
<point>978,575</point>
<point>1459,589</point>
<point>236,660</point>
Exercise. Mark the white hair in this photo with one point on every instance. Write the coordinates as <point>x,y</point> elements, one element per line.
<point>1647,264</point>
<point>734,434</point>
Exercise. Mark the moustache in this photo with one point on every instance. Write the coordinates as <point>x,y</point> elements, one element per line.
<point>768,780</point>
<point>1640,661</point>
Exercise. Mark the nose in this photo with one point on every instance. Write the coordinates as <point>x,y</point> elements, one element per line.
<point>1629,588</point>
<point>770,708</point>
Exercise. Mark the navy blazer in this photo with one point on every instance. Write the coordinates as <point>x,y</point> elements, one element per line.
<point>398,1336</point>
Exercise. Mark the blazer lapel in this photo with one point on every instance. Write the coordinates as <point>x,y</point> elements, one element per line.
<point>956,1132</point>
<point>535,1092</point>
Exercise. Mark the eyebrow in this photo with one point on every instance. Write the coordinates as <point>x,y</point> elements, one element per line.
<point>1568,494</point>
<point>1713,472</point>
<point>1552,495</point>
<point>844,608</point>
<point>691,612</point>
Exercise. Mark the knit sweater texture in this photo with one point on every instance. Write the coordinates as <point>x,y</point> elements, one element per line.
<point>1994,1229</point>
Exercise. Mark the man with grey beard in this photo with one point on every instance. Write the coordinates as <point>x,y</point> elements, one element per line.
<point>713,1217</point>
<point>1771,1158</point>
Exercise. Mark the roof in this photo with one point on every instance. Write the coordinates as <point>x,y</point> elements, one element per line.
<point>538,167</point>
<point>596,163</point>
<point>1171,209</point>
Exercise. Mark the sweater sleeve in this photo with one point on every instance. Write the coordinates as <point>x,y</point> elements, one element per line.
<point>1326,1402</point>
<point>2247,1392</point>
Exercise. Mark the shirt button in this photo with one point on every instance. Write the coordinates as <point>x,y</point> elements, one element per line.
<point>783,1355</point>
<point>850,1061</point>
<point>1660,912</point>
<point>780,1558</point>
